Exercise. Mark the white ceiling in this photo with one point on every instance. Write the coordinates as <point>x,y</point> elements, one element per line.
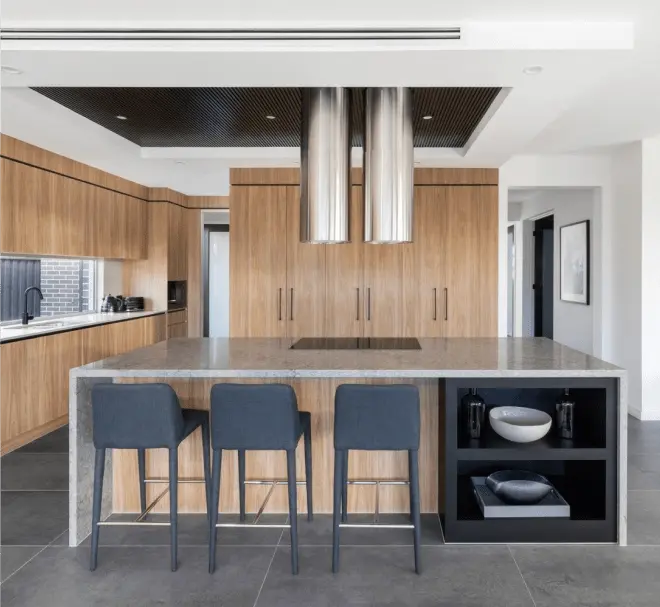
<point>594,91</point>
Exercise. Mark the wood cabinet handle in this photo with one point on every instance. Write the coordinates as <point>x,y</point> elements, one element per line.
<point>279,305</point>
<point>357,316</point>
<point>446,303</point>
<point>369,303</point>
<point>291,309</point>
<point>435,303</point>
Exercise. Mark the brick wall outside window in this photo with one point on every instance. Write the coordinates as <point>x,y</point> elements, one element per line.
<point>66,285</point>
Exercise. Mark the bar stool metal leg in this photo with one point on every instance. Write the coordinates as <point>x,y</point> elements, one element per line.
<point>340,458</point>
<point>142,474</point>
<point>206,458</point>
<point>241,483</point>
<point>215,499</point>
<point>293,508</point>
<point>344,488</point>
<point>99,470</point>
<point>174,481</point>
<point>308,472</point>
<point>414,505</point>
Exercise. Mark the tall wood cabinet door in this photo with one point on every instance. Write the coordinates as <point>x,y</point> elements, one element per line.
<point>424,265</point>
<point>344,278</point>
<point>177,258</point>
<point>305,276</point>
<point>471,262</point>
<point>257,261</point>
<point>384,308</point>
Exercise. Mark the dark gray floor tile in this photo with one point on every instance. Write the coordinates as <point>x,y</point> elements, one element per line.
<point>643,437</point>
<point>469,576</point>
<point>643,517</point>
<point>193,531</point>
<point>33,518</point>
<point>35,472</point>
<point>319,531</point>
<point>644,471</point>
<point>590,576</point>
<point>14,557</point>
<point>138,577</point>
<point>54,442</point>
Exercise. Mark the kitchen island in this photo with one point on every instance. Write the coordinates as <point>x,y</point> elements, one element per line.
<point>590,470</point>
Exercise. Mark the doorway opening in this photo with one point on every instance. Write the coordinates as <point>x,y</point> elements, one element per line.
<point>215,259</point>
<point>544,252</point>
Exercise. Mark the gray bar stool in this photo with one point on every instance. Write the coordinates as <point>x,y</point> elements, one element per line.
<point>260,417</point>
<point>144,416</point>
<point>375,418</point>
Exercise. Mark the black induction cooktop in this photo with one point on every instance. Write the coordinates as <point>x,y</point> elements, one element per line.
<point>357,343</point>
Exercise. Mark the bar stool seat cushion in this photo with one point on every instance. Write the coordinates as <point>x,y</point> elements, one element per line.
<point>140,416</point>
<point>255,417</point>
<point>377,417</point>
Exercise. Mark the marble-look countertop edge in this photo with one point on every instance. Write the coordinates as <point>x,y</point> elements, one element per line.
<point>340,373</point>
<point>104,319</point>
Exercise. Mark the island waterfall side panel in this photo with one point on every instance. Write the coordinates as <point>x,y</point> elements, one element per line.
<point>317,397</point>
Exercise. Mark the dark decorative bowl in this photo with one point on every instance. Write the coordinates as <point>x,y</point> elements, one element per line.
<point>518,486</point>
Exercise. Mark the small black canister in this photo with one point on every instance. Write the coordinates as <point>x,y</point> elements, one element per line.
<point>474,409</point>
<point>565,415</point>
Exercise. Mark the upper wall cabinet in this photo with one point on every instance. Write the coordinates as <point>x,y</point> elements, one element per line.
<point>45,213</point>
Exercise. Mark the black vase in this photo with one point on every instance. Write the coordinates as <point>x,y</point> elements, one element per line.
<point>565,415</point>
<point>474,410</point>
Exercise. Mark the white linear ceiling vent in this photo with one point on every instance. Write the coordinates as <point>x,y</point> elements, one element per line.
<point>390,33</point>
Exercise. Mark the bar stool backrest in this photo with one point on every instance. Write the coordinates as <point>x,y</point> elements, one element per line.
<point>254,417</point>
<point>136,416</point>
<point>374,418</point>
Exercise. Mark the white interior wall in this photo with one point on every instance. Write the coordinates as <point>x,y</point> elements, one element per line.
<point>650,280</point>
<point>625,271</point>
<point>569,171</point>
<point>573,323</point>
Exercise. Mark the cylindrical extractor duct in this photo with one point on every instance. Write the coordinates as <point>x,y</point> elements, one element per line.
<point>388,166</point>
<point>325,165</point>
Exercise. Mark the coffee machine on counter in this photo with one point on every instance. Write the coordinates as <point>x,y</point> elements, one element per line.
<point>119,303</point>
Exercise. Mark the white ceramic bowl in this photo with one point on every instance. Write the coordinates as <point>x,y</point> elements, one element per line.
<point>520,424</point>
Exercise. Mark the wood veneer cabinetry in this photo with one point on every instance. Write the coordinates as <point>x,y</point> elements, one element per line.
<point>471,261</point>
<point>444,283</point>
<point>344,278</point>
<point>46,213</point>
<point>305,277</point>
<point>257,261</point>
<point>34,392</point>
<point>177,243</point>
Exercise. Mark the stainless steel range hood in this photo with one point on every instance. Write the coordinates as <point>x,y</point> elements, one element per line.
<point>325,166</point>
<point>388,166</point>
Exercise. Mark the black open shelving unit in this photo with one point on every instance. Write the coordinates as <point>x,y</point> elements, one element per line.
<point>583,470</point>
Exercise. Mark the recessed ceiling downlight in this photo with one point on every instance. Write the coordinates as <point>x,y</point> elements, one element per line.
<point>533,70</point>
<point>270,117</point>
<point>120,117</point>
<point>8,69</point>
<point>427,117</point>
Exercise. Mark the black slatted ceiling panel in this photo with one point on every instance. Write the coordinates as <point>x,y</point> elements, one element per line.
<point>237,117</point>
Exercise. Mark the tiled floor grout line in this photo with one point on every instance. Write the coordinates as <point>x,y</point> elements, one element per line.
<point>263,583</point>
<point>522,577</point>
<point>34,557</point>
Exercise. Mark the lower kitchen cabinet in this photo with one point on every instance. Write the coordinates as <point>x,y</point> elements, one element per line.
<point>34,392</point>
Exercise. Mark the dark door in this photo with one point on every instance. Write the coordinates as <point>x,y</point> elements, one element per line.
<point>544,250</point>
